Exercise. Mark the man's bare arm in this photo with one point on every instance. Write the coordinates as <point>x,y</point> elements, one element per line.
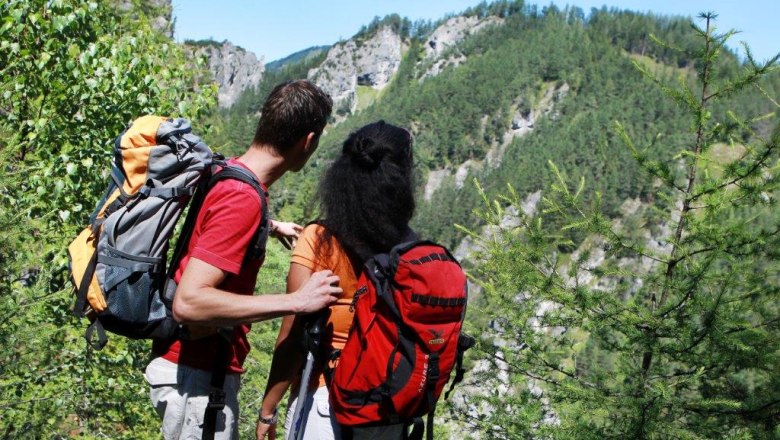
<point>198,301</point>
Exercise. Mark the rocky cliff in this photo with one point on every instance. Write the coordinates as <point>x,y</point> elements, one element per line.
<point>234,68</point>
<point>371,62</point>
<point>447,36</point>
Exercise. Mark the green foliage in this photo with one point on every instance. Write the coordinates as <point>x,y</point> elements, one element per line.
<point>401,25</point>
<point>602,86</point>
<point>72,74</point>
<point>296,57</point>
<point>208,42</point>
<point>669,335</point>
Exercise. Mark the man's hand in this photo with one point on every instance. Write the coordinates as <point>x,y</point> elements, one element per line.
<point>286,232</point>
<point>319,291</point>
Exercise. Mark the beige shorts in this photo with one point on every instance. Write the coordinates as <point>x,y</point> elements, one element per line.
<point>180,394</point>
<point>320,421</point>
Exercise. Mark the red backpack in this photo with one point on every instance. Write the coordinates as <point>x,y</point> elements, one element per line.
<point>405,339</point>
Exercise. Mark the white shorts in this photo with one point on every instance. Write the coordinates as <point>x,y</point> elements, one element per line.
<point>320,422</point>
<point>180,394</point>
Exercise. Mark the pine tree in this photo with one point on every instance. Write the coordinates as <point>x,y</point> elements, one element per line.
<point>664,322</point>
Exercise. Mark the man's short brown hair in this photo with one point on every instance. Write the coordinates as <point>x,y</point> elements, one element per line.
<point>292,110</point>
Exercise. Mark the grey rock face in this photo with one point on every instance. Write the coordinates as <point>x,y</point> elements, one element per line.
<point>234,70</point>
<point>523,122</point>
<point>337,76</point>
<point>435,180</point>
<point>371,62</point>
<point>439,65</point>
<point>448,35</point>
<point>378,59</point>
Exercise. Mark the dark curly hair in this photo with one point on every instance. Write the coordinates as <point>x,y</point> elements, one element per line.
<point>367,194</point>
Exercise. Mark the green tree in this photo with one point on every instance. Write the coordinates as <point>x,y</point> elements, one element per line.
<point>671,333</point>
<point>73,73</point>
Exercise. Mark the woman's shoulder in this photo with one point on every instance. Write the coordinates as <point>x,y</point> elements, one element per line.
<point>313,232</point>
<point>311,239</point>
<point>317,241</point>
<point>316,250</point>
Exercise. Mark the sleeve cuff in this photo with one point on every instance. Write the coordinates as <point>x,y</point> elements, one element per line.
<point>216,261</point>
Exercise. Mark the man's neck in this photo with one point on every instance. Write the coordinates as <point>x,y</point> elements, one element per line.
<point>267,165</point>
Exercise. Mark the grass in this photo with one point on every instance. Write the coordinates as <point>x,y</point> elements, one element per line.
<point>367,95</point>
<point>659,69</point>
<point>719,155</point>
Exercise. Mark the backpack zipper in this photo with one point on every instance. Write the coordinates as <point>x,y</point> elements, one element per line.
<point>358,292</point>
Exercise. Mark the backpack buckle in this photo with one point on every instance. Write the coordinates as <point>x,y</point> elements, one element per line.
<point>216,400</point>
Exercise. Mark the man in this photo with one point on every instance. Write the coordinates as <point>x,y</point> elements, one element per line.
<point>215,280</point>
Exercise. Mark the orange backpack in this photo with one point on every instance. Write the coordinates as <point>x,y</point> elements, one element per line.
<point>118,262</point>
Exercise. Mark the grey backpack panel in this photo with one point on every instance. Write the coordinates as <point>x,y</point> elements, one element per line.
<point>131,250</point>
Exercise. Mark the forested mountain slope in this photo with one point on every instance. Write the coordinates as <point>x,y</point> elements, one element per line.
<point>296,57</point>
<point>467,111</point>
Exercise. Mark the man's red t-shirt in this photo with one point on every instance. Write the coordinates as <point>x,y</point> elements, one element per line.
<point>224,229</point>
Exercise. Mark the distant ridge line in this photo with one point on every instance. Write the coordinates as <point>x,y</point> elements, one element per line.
<point>297,56</point>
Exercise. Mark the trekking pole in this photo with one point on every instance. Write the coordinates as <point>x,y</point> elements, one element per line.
<point>313,337</point>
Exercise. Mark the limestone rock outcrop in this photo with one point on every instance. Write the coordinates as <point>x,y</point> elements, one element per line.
<point>368,62</point>
<point>448,35</point>
<point>234,69</point>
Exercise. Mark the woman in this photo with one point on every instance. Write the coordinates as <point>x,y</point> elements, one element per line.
<point>367,200</point>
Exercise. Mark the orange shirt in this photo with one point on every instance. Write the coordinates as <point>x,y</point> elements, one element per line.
<point>335,260</point>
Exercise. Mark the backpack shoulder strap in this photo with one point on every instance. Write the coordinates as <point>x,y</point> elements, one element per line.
<point>380,270</point>
<point>238,173</point>
<point>221,359</point>
<point>227,172</point>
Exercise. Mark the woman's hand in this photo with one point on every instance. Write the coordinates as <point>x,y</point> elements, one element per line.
<point>265,431</point>
<point>286,232</point>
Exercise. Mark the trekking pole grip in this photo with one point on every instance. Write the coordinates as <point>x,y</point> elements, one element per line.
<point>315,326</point>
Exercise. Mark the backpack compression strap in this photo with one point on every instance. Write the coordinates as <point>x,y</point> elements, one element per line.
<point>217,384</point>
<point>464,343</point>
<point>433,377</point>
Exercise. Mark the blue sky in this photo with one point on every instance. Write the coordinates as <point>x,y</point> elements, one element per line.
<point>276,28</point>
